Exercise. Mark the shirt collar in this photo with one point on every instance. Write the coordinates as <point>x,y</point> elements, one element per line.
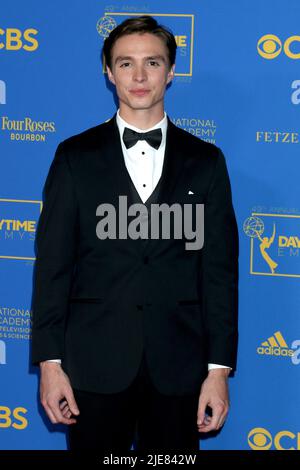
<point>163,124</point>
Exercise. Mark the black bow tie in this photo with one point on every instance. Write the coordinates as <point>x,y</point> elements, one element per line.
<point>131,137</point>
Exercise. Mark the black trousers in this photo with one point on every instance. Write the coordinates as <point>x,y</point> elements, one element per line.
<point>138,416</point>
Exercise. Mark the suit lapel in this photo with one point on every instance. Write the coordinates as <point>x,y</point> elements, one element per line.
<point>172,166</point>
<point>171,172</point>
<point>117,174</point>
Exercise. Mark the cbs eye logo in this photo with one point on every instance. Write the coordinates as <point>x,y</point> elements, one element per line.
<point>259,439</point>
<point>270,46</point>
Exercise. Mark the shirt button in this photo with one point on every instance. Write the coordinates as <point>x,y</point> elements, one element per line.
<point>143,153</point>
<point>144,185</point>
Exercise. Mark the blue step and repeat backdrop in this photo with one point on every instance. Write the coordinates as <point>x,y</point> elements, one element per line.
<point>237,85</point>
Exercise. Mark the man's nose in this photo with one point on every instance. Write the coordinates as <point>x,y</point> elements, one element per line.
<point>140,74</point>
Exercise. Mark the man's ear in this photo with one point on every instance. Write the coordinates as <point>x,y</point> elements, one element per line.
<point>110,75</point>
<point>171,74</point>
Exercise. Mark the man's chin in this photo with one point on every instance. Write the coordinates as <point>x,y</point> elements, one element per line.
<point>137,106</point>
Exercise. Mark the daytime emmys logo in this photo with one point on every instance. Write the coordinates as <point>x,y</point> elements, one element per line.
<point>160,222</point>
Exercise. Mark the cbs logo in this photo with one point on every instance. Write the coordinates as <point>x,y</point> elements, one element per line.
<point>270,46</point>
<point>12,39</point>
<point>13,418</point>
<point>261,439</point>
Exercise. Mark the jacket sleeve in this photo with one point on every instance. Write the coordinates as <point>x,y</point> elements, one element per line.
<point>220,269</point>
<point>55,261</point>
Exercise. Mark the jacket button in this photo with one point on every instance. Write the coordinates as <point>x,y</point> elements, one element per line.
<point>139,307</point>
<point>146,259</point>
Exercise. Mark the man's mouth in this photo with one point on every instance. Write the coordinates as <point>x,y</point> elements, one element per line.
<point>139,92</point>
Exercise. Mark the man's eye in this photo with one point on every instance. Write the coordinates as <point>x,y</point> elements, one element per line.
<point>125,64</point>
<point>153,63</point>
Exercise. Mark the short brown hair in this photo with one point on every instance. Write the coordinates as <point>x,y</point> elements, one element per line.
<point>140,25</point>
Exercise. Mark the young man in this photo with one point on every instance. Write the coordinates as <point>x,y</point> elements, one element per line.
<point>135,337</point>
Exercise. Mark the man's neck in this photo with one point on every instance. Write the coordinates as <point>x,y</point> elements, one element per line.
<point>141,118</point>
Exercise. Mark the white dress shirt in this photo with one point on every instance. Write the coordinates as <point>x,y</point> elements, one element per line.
<point>144,164</point>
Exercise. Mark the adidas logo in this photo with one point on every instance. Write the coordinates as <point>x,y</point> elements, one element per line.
<point>275,346</point>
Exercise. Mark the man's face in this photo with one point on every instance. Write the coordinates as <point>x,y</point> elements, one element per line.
<point>140,70</point>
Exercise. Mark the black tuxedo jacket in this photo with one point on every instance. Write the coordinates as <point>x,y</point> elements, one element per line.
<point>98,304</point>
